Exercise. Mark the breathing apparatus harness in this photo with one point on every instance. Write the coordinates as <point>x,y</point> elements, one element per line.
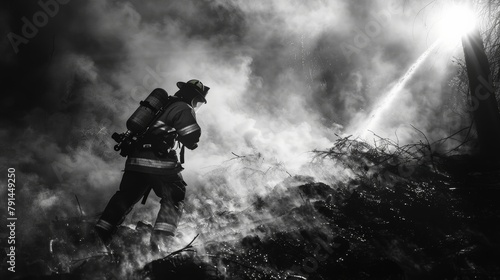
<point>141,121</point>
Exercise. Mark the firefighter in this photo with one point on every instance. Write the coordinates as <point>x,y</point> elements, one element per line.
<point>153,164</point>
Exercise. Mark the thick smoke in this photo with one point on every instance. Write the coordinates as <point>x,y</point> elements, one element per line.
<point>285,78</point>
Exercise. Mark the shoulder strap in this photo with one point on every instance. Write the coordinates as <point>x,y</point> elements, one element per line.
<point>171,100</point>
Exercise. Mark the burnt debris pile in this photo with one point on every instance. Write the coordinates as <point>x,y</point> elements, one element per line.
<point>404,213</point>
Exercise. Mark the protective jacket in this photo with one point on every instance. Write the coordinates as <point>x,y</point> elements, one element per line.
<point>154,153</point>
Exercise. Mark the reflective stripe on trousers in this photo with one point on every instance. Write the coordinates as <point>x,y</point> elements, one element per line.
<point>168,228</point>
<point>104,225</point>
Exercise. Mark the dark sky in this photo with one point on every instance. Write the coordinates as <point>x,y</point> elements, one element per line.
<point>285,77</point>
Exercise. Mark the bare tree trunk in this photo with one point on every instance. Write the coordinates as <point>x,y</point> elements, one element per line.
<point>484,103</point>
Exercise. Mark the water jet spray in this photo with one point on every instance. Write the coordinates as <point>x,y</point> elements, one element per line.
<point>456,22</point>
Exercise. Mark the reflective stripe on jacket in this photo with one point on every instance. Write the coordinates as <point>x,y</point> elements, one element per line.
<point>179,116</point>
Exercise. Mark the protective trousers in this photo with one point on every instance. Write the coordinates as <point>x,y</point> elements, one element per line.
<point>170,188</point>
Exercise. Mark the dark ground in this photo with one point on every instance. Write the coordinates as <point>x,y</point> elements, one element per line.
<point>441,220</point>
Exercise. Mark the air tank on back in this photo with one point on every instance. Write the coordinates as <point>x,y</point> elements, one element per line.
<point>141,119</point>
<point>145,114</point>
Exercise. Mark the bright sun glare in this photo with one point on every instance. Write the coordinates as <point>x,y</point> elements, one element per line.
<point>458,21</point>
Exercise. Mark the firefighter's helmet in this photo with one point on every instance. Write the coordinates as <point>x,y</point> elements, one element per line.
<point>193,92</point>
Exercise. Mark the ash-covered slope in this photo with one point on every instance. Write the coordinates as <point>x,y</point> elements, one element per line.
<point>432,218</point>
